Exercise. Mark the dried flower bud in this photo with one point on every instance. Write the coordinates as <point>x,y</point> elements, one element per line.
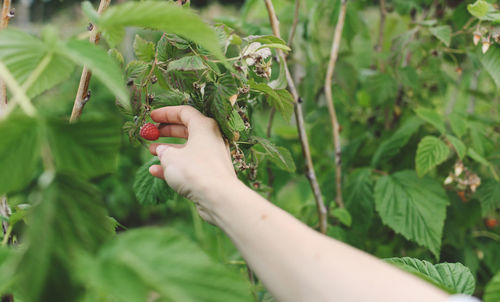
<point>90,27</point>
<point>11,13</point>
<point>476,38</point>
<point>448,180</point>
<point>486,46</point>
<point>459,168</point>
<point>233,99</point>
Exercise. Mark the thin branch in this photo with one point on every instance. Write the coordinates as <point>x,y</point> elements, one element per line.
<point>381,31</point>
<point>82,95</point>
<point>294,24</point>
<point>299,117</point>
<point>329,101</point>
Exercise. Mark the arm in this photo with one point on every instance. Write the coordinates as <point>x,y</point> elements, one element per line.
<point>294,262</point>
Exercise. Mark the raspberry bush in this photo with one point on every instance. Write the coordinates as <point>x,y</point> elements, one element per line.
<point>399,156</point>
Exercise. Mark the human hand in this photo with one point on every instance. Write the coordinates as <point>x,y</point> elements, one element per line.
<point>198,168</point>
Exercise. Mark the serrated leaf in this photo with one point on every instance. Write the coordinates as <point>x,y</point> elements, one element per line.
<point>72,219</point>
<point>88,148</point>
<point>431,152</point>
<point>413,207</point>
<point>162,261</point>
<point>281,99</point>
<point>163,16</point>
<point>218,103</point>
<point>383,86</point>
<point>358,194</point>
<point>477,157</point>
<point>269,39</point>
<point>149,189</point>
<point>452,277</point>
<point>96,59</point>
<point>399,139</point>
<point>492,291</point>
<point>458,146</point>
<point>488,194</point>
<point>432,117</point>
<point>187,63</point>
<point>279,156</point>
<point>483,10</point>
<point>491,62</point>
<point>458,124</point>
<point>443,33</point>
<point>19,151</point>
<point>342,215</point>
<point>23,53</point>
<point>115,54</point>
<point>144,50</point>
<point>136,69</point>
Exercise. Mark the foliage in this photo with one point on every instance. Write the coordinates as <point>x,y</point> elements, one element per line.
<point>418,103</point>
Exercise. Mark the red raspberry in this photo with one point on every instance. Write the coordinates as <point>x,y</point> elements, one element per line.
<point>150,132</point>
<point>491,222</point>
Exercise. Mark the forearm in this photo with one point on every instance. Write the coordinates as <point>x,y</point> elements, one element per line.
<point>296,263</point>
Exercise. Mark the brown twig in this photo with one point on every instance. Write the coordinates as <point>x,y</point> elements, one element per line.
<point>82,95</point>
<point>299,117</point>
<point>329,100</point>
<point>294,24</point>
<point>381,32</point>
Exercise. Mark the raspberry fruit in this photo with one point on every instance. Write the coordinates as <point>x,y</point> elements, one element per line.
<point>150,132</point>
<point>491,222</point>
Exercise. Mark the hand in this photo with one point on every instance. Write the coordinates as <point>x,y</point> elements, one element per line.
<point>198,168</point>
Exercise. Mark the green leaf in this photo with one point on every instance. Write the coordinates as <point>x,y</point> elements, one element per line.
<point>149,189</point>
<point>279,156</point>
<point>488,194</point>
<point>23,53</point>
<point>160,260</point>
<point>342,215</point>
<point>477,157</point>
<point>458,146</point>
<point>281,99</point>
<point>431,152</point>
<point>187,63</point>
<point>432,117</point>
<point>443,33</point>
<point>383,87</point>
<point>88,148</point>
<point>72,219</point>
<point>413,207</point>
<point>19,152</point>
<point>458,124</point>
<point>452,277</point>
<point>492,291</point>
<point>144,50</point>
<point>483,10</point>
<point>390,147</point>
<point>358,194</point>
<point>163,16</point>
<point>97,60</point>
<point>115,54</point>
<point>266,39</point>
<point>218,103</point>
<point>491,62</point>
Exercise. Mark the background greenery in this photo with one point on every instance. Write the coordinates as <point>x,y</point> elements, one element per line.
<point>410,110</point>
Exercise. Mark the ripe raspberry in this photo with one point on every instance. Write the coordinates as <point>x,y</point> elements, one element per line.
<point>150,132</point>
<point>491,222</point>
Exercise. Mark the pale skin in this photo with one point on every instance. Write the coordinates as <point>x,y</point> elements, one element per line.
<point>294,262</point>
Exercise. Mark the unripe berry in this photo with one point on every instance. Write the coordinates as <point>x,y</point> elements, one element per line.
<point>150,132</point>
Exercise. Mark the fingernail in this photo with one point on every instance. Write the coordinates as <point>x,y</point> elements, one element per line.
<point>160,149</point>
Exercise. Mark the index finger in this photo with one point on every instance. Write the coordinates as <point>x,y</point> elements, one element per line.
<point>182,115</point>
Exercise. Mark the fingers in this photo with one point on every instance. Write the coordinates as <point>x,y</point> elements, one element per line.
<point>157,171</point>
<point>181,115</point>
<point>179,131</point>
<point>154,146</point>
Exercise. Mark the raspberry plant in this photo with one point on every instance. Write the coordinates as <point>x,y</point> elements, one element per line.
<point>415,99</point>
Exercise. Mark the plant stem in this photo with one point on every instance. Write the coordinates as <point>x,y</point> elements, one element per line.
<point>329,101</point>
<point>381,32</point>
<point>4,206</point>
<point>299,117</point>
<point>81,95</point>
<point>294,24</point>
